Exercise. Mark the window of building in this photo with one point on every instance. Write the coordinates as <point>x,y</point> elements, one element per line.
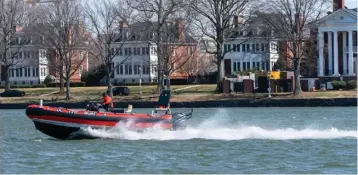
<point>238,47</point>
<point>117,69</point>
<point>25,72</point>
<point>262,47</point>
<point>121,69</point>
<point>138,50</point>
<point>244,66</point>
<point>243,47</point>
<point>234,47</point>
<point>229,47</point>
<point>136,69</point>
<point>258,65</point>
<point>37,71</point>
<point>33,72</point>
<point>225,48</point>
<point>234,66</point>
<point>248,65</point>
<point>130,69</point>
<point>257,47</point>
<point>126,69</point>
<point>17,72</point>
<point>125,51</point>
<point>248,47</point>
<point>32,54</point>
<point>191,50</point>
<point>120,51</point>
<point>147,50</point>
<point>133,80</point>
<point>134,51</point>
<point>253,47</point>
<point>129,51</point>
<point>143,50</point>
<point>117,51</point>
<point>238,66</point>
<point>28,72</point>
<point>23,82</point>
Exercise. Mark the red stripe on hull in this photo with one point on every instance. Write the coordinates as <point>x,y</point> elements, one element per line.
<point>100,114</point>
<point>100,123</point>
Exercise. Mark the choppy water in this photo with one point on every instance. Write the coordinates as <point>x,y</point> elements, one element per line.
<point>217,140</point>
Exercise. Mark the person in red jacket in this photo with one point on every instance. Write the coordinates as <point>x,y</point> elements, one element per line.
<point>107,101</point>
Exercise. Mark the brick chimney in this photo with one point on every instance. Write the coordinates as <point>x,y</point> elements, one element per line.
<point>237,20</point>
<point>338,4</point>
<point>180,27</point>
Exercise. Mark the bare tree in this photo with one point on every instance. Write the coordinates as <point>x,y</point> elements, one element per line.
<point>203,64</point>
<point>61,28</point>
<point>107,21</point>
<point>214,21</point>
<point>13,16</point>
<point>292,18</point>
<point>166,36</point>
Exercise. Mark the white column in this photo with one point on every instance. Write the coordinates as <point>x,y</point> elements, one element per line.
<point>241,65</point>
<point>344,45</point>
<point>329,53</point>
<point>350,53</point>
<point>335,45</point>
<point>321,53</point>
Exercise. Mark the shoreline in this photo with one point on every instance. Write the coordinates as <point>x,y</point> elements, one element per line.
<point>312,102</point>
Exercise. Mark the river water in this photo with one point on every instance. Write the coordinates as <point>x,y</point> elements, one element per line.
<point>217,140</point>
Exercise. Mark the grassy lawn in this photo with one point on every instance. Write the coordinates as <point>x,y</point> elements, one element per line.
<point>190,93</point>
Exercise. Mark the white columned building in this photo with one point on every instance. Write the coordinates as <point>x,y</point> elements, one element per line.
<point>339,45</point>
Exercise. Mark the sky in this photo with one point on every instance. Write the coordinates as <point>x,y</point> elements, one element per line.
<point>351,3</point>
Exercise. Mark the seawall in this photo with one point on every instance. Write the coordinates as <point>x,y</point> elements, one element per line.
<point>313,102</point>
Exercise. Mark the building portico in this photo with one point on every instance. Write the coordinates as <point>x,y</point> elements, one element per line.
<point>337,44</point>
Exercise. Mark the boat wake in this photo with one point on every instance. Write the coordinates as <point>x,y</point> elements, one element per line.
<point>222,132</point>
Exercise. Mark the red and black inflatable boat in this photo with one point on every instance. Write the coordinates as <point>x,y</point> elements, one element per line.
<point>62,123</point>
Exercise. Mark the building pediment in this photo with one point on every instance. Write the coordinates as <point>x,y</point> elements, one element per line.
<point>339,18</point>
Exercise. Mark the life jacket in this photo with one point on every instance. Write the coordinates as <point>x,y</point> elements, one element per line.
<point>108,100</point>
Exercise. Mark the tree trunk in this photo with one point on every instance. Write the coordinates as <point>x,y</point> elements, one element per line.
<point>159,79</point>
<point>220,74</point>
<point>7,78</point>
<point>108,79</point>
<point>168,81</point>
<point>297,89</point>
<point>68,93</point>
<point>62,87</point>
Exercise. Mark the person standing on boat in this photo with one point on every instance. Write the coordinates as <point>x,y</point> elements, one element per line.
<point>107,101</point>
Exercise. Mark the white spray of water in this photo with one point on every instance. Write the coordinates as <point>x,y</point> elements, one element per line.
<point>219,128</point>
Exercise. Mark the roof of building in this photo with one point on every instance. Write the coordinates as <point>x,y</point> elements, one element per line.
<point>350,12</point>
<point>146,31</point>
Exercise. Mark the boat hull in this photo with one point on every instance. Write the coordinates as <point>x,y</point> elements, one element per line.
<point>61,131</point>
<point>63,123</point>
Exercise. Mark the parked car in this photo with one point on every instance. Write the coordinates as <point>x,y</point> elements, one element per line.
<point>13,93</point>
<point>121,91</point>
